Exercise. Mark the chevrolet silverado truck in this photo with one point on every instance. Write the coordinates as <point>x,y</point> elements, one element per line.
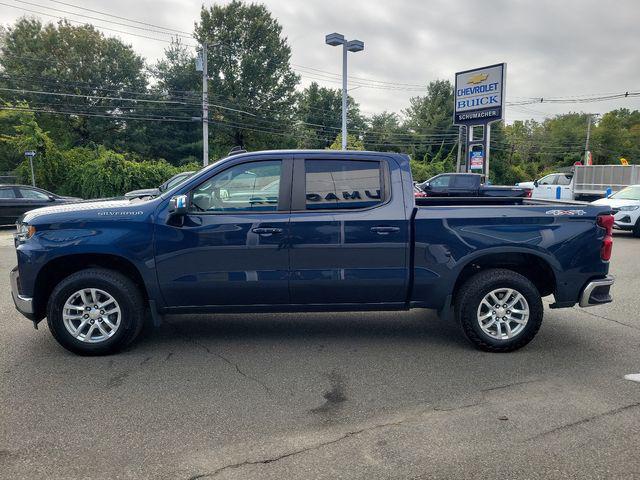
<point>307,231</point>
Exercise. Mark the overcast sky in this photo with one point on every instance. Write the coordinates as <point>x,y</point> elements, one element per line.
<point>553,48</point>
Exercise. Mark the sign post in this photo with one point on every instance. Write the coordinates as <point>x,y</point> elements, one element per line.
<point>479,101</point>
<point>31,154</point>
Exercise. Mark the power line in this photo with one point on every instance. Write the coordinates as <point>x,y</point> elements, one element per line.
<point>87,23</point>
<point>103,20</point>
<point>121,18</point>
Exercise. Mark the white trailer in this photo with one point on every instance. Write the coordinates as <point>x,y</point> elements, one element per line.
<point>584,182</point>
<point>598,180</point>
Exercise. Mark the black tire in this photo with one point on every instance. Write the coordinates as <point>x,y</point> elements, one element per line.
<point>636,228</point>
<point>122,289</point>
<point>474,290</point>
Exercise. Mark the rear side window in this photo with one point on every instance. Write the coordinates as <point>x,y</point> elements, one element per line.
<point>7,193</point>
<point>464,181</point>
<point>342,184</point>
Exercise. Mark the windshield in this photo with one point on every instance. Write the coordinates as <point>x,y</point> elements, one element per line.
<point>628,193</point>
<point>178,179</point>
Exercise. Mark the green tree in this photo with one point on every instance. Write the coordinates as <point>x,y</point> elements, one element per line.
<point>177,80</point>
<point>385,133</point>
<point>249,67</point>
<point>77,60</point>
<point>353,143</point>
<point>319,116</point>
<point>430,120</point>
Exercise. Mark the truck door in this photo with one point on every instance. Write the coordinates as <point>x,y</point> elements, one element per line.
<point>545,187</point>
<point>231,246</point>
<point>349,231</point>
<point>439,186</point>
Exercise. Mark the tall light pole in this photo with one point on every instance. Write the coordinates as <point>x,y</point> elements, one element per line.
<point>335,39</point>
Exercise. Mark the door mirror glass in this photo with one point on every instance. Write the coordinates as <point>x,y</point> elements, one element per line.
<point>178,205</point>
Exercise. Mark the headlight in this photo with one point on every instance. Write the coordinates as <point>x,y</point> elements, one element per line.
<point>24,232</point>
<point>629,208</point>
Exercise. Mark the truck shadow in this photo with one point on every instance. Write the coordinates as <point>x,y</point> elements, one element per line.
<point>419,325</point>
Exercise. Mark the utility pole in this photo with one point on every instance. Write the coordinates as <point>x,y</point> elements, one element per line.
<point>459,159</point>
<point>205,107</point>
<point>586,145</point>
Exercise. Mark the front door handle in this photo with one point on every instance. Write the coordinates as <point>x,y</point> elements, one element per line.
<point>384,230</point>
<point>266,231</point>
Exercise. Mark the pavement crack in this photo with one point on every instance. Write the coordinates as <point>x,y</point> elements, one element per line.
<point>508,385</point>
<point>585,420</point>
<point>220,356</point>
<point>317,446</point>
<point>458,407</point>
<point>605,318</point>
<point>240,371</point>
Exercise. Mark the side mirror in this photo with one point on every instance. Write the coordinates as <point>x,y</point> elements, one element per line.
<point>51,198</point>
<point>426,185</point>
<point>178,205</point>
<point>535,183</point>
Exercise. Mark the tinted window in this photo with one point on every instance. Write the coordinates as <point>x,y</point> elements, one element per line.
<point>7,193</point>
<point>441,181</point>
<point>248,187</point>
<point>342,184</point>
<point>176,180</point>
<point>563,179</point>
<point>33,194</point>
<point>465,181</point>
<point>548,180</point>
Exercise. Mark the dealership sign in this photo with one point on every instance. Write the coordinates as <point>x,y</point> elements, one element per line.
<point>479,95</point>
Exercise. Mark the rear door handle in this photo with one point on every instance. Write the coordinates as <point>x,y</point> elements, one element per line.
<point>383,230</point>
<point>266,230</point>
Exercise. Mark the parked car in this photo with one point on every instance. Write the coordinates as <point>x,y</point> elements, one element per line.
<point>468,185</point>
<point>154,192</point>
<point>626,208</point>
<point>18,199</point>
<point>344,232</point>
<point>418,192</point>
<point>584,182</point>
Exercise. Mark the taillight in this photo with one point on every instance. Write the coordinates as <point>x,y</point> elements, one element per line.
<point>528,192</point>
<point>606,222</point>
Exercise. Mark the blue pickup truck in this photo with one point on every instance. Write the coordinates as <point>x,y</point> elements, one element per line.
<point>307,231</point>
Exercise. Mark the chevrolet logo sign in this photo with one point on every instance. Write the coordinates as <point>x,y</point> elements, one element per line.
<point>477,78</point>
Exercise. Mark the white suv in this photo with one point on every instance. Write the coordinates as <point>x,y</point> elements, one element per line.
<point>626,207</point>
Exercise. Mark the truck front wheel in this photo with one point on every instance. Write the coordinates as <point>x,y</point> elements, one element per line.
<point>95,312</point>
<point>499,310</point>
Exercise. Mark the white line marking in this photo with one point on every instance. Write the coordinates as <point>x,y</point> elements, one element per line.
<point>634,377</point>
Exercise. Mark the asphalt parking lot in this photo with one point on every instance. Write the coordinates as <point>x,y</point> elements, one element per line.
<point>366,395</point>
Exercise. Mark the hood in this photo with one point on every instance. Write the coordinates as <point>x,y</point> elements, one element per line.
<point>143,192</point>
<point>616,203</point>
<point>102,209</point>
<point>525,185</point>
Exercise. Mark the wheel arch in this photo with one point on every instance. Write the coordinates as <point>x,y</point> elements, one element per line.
<point>61,267</point>
<point>538,269</point>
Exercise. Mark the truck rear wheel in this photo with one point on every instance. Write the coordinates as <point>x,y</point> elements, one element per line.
<point>95,312</point>
<point>499,310</point>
